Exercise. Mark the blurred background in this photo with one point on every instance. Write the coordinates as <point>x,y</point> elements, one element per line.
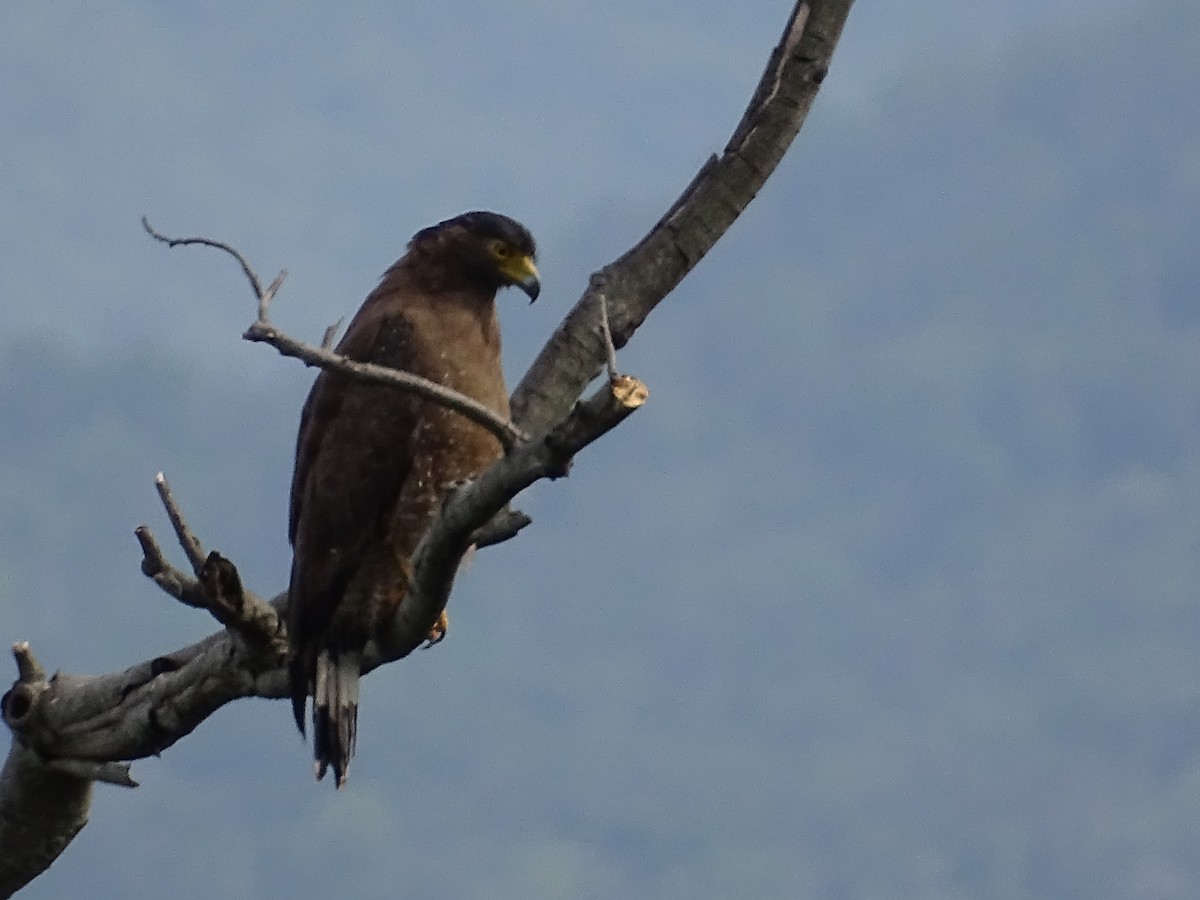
<point>890,590</point>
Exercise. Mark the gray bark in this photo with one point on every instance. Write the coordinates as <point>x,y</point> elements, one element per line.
<point>69,732</point>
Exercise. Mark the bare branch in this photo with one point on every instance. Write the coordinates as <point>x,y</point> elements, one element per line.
<point>437,558</point>
<point>156,567</point>
<point>610,348</point>
<point>148,707</point>
<point>636,283</point>
<point>153,560</point>
<point>330,334</point>
<point>265,298</point>
<point>43,810</point>
<point>255,284</point>
<point>29,669</point>
<point>191,545</point>
<point>217,587</point>
<point>503,526</point>
<point>109,773</point>
<point>264,332</point>
<point>504,430</point>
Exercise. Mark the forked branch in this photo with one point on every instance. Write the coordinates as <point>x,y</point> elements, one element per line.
<point>95,722</point>
<point>217,587</point>
<point>262,331</point>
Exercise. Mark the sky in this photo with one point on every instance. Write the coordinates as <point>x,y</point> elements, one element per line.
<point>888,591</point>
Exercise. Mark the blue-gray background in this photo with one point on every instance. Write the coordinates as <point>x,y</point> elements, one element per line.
<point>891,590</point>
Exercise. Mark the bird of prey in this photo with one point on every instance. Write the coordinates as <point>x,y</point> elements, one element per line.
<point>373,462</point>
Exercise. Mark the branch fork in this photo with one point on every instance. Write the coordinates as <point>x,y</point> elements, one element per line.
<point>216,587</point>
<point>89,726</point>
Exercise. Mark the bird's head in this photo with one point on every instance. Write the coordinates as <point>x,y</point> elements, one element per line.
<point>495,249</point>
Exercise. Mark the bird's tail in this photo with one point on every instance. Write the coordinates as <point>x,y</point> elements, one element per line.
<point>335,711</point>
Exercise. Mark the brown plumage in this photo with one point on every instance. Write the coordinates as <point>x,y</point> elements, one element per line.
<point>374,462</point>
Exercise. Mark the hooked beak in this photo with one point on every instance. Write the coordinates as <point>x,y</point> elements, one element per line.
<point>524,274</point>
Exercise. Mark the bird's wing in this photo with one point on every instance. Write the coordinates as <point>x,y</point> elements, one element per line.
<point>353,454</point>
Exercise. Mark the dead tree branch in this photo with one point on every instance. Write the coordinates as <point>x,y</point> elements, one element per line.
<point>70,731</point>
<point>262,331</point>
<point>470,507</point>
<point>639,280</point>
<point>255,284</point>
<point>217,586</point>
<point>311,355</point>
<point>191,545</point>
<point>156,567</point>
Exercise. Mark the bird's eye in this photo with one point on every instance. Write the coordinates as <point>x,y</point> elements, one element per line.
<point>499,249</point>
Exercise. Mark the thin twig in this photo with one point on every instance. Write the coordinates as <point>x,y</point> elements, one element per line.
<point>218,589</point>
<point>255,284</point>
<point>153,560</point>
<point>263,331</point>
<point>505,431</point>
<point>329,335</point>
<point>609,347</point>
<point>155,566</point>
<point>189,542</point>
<point>636,282</point>
<point>264,299</point>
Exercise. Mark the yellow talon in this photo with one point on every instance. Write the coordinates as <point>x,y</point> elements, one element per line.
<point>437,633</point>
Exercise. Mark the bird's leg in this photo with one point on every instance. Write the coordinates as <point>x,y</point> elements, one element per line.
<point>437,631</point>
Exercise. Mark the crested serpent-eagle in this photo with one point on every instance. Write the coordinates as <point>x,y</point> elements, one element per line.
<point>374,462</point>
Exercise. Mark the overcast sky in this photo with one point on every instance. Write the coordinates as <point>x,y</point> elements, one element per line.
<point>318,140</point>
<point>838,614</point>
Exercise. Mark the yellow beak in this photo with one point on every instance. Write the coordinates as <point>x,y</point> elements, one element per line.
<point>524,274</point>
